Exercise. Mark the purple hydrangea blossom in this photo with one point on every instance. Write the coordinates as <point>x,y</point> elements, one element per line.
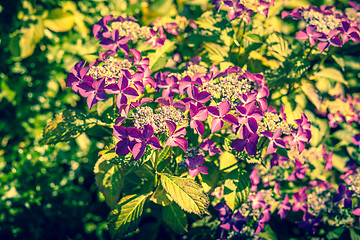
<point>210,146</point>
<point>344,196</point>
<point>247,140</point>
<point>284,207</point>
<point>194,165</point>
<point>94,91</point>
<point>174,138</point>
<point>220,115</point>
<point>274,141</point>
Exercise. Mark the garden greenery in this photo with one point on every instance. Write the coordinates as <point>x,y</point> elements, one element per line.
<point>225,118</point>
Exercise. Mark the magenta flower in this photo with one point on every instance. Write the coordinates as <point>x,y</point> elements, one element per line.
<point>143,138</point>
<point>284,207</point>
<point>249,116</point>
<point>115,43</point>
<point>123,91</point>
<point>257,200</point>
<point>247,140</point>
<point>356,211</point>
<point>356,139</point>
<point>100,29</point>
<point>299,139</point>
<point>347,32</point>
<point>233,8</point>
<point>210,146</point>
<point>197,97</point>
<point>220,115</point>
<point>299,171</point>
<point>330,39</point>
<point>122,133</point>
<point>78,75</point>
<point>344,196</point>
<point>154,40</point>
<point>94,92</point>
<point>170,86</point>
<point>309,222</point>
<point>194,165</point>
<point>299,200</point>
<point>174,138</point>
<point>189,82</point>
<point>255,180</point>
<point>196,116</point>
<point>328,159</point>
<point>274,141</point>
<point>310,33</point>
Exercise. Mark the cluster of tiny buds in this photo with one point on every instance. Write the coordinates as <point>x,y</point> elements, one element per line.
<point>228,88</point>
<point>354,183</point>
<point>343,110</point>
<point>145,115</point>
<point>324,22</point>
<point>319,201</point>
<point>131,30</point>
<point>272,122</point>
<point>111,68</point>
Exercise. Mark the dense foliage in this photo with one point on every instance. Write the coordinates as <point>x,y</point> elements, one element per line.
<point>180,119</point>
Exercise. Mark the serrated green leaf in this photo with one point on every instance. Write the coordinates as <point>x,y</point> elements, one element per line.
<point>108,178</point>
<point>207,21</point>
<point>268,233</point>
<point>331,74</point>
<point>297,68</point>
<point>159,58</point>
<point>215,52</point>
<point>186,193</point>
<point>279,46</point>
<point>312,94</point>
<point>161,197</point>
<point>236,188</point>
<point>339,60</point>
<point>282,152</point>
<point>175,217</point>
<point>126,216</point>
<point>59,20</point>
<point>67,125</point>
<point>354,235</point>
<point>163,158</point>
<point>335,234</point>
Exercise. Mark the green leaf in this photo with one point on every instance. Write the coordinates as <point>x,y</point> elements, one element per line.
<point>207,21</point>
<point>312,94</point>
<point>163,158</point>
<point>175,218</point>
<point>253,37</point>
<point>352,63</point>
<point>67,125</point>
<point>279,46</point>
<point>236,188</point>
<point>161,197</point>
<point>215,52</point>
<point>23,42</point>
<point>209,181</point>
<point>331,74</point>
<point>335,234</point>
<point>339,60</point>
<point>59,20</point>
<point>354,235</point>
<point>186,192</point>
<point>126,216</point>
<point>282,152</point>
<point>159,58</point>
<point>268,233</point>
<point>108,178</point>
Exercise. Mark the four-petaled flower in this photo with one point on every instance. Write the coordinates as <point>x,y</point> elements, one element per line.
<point>174,138</point>
<point>274,140</point>
<point>220,115</point>
<point>247,140</point>
<point>284,207</point>
<point>310,33</point>
<point>194,165</point>
<point>142,139</point>
<point>93,91</point>
<point>344,196</point>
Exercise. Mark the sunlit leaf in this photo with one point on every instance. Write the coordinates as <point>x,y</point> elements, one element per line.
<point>331,74</point>
<point>236,188</point>
<point>161,197</point>
<point>67,125</point>
<point>159,58</point>
<point>209,181</point>
<point>312,94</point>
<point>186,193</point>
<point>59,20</point>
<point>126,216</point>
<point>279,46</point>
<point>108,178</point>
<point>175,217</point>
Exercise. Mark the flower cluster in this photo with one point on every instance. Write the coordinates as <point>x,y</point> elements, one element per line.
<point>244,9</point>
<point>327,24</point>
<point>174,26</point>
<point>343,109</point>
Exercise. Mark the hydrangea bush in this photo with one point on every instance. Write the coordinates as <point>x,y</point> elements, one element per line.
<point>206,116</point>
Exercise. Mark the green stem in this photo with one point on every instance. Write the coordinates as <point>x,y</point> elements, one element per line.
<point>114,105</point>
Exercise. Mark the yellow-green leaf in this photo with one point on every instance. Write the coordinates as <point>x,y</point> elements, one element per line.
<point>59,20</point>
<point>186,193</point>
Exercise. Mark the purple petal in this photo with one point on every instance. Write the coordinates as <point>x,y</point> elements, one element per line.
<point>193,172</point>
<point>154,143</point>
<point>230,119</point>
<point>182,143</point>
<point>302,35</point>
<point>224,108</point>
<point>203,169</point>
<point>216,125</point>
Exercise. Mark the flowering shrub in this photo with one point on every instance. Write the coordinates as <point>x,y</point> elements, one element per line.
<point>211,131</point>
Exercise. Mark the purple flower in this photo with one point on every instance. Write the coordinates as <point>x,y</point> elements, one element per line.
<point>100,29</point>
<point>194,165</point>
<point>299,171</point>
<point>309,222</point>
<point>233,8</point>
<point>310,33</point>
<point>284,206</point>
<point>328,159</point>
<point>274,141</point>
<point>94,91</point>
<point>255,180</point>
<point>299,139</point>
<point>174,138</point>
<point>123,133</point>
<point>220,115</point>
<point>257,200</point>
<point>170,86</point>
<point>154,40</point>
<point>197,97</point>
<point>249,116</point>
<point>356,211</point>
<point>142,139</point>
<point>78,75</point>
<point>122,89</point>
<point>247,140</point>
<point>210,146</point>
<point>196,116</point>
<point>115,43</point>
<point>347,32</point>
<point>356,139</point>
<point>330,39</point>
<point>299,200</point>
<point>344,196</point>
